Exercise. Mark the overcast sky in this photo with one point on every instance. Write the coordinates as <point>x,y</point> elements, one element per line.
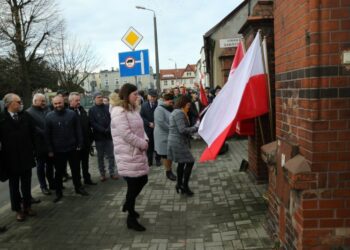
<point>181,25</point>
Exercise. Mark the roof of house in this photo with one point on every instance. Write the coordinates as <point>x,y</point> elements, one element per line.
<point>176,73</point>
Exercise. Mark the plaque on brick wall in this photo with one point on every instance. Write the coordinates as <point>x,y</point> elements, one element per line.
<point>229,42</point>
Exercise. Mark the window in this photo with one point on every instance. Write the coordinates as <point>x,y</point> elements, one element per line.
<point>188,73</point>
<point>165,83</point>
<point>172,82</point>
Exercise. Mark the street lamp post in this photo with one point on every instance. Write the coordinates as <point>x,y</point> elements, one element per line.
<point>155,44</point>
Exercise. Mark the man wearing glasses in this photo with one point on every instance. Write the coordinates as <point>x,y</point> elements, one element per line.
<point>17,136</point>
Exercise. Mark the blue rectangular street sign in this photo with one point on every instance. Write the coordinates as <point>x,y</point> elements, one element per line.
<point>134,63</point>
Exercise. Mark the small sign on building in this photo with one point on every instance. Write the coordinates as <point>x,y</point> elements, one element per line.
<point>229,42</point>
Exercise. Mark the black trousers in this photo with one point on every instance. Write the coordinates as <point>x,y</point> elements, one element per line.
<point>60,162</point>
<point>16,192</point>
<point>135,185</point>
<point>45,170</point>
<point>84,163</point>
<point>150,150</point>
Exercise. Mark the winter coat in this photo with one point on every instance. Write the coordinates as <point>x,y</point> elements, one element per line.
<point>147,114</point>
<point>85,126</point>
<point>62,131</point>
<point>129,140</point>
<point>38,116</point>
<point>179,137</point>
<point>100,120</point>
<point>161,129</point>
<point>17,143</point>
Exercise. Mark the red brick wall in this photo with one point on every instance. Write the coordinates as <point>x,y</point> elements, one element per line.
<point>313,112</point>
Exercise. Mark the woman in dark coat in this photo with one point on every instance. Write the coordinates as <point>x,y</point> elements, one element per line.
<point>179,143</point>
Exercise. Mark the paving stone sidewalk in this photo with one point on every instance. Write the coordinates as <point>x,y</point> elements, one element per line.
<point>226,212</point>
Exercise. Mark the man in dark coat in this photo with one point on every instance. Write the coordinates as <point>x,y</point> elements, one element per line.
<point>3,174</point>
<point>84,153</point>
<point>17,140</point>
<point>147,114</point>
<point>64,138</point>
<point>38,111</point>
<point>100,120</point>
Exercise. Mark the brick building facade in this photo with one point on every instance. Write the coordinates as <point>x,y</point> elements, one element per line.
<point>309,163</point>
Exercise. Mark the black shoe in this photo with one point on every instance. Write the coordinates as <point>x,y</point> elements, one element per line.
<point>150,164</point>
<point>131,213</point>
<point>188,191</point>
<point>90,182</point>
<point>132,223</point>
<point>170,175</point>
<point>35,201</point>
<point>58,198</point>
<point>3,229</point>
<point>158,163</point>
<point>45,191</point>
<point>179,189</point>
<point>81,191</point>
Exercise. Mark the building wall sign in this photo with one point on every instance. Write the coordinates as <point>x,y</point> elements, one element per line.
<point>229,42</point>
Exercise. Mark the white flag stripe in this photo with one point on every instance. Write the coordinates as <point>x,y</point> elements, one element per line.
<point>224,108</point>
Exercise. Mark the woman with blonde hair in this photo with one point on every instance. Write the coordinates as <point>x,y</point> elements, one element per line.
<point>130,145</point>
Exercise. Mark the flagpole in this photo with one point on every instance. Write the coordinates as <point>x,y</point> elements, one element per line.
<point>259,118</point>
<point>266,67</point>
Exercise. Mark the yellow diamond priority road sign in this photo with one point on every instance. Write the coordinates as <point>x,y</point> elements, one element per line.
<point>132,38</point>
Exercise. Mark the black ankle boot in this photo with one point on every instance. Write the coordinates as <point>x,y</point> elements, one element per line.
<point>132,223</point>
<point>179,189</point>
<point>188,191</point>
<point>170,175</point>
<point>132,213</point>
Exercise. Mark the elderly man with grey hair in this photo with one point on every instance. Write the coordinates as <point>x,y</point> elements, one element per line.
<point>17,139</point>
<point>44,164</point>
<point>84,153</point>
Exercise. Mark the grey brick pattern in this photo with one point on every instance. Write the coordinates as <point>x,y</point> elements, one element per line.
<point>226,212</point>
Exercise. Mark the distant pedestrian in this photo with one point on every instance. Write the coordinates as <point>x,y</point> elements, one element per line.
<point>161,132</point>
<point>84,152</point>
<point>147,114</point>
<point>100,121</point>
<point>130,146</point>
<point>64,138</point>
<point>179,143</point>
<point>38,112</point>
<point>17,146</point>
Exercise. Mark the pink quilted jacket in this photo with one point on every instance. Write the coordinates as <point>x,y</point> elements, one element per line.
<point>130,142</point>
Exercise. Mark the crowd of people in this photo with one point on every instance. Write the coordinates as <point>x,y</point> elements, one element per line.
<point>129,130</point>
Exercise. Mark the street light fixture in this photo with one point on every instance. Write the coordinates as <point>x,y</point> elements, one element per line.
<point>155,44</point>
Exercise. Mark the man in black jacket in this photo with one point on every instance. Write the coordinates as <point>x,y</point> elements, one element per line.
<point>100,120</point>
<point>64,138</point>
<point>17,139</point>
<point>74,104</point>
<point>38,111</point>
<point>147,114</point>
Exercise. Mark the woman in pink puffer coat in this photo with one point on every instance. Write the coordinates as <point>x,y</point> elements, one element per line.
<point>130,145</point>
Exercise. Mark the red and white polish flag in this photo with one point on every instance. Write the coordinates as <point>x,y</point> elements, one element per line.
<point>244,96</point>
